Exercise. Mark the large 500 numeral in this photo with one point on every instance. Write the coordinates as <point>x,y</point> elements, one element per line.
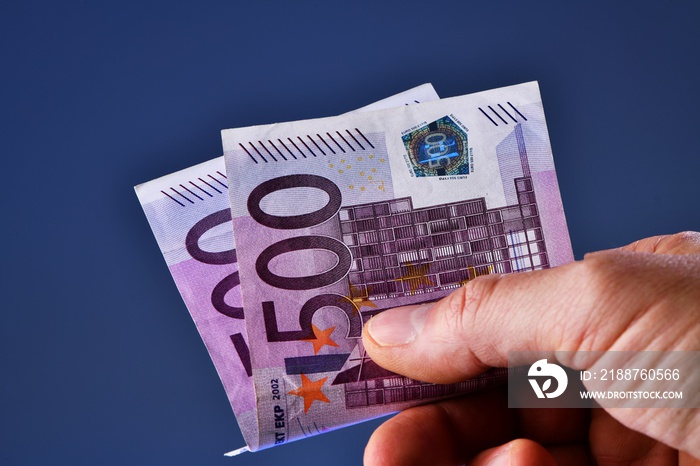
<point>227,283</point>
<point>198,230</point>
<point>299,243</point>
<point>306,315</point>
<point>292,222</point>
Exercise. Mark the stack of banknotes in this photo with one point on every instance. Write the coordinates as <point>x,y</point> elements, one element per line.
<point>287,245</point>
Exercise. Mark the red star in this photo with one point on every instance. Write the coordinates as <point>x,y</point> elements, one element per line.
<point>322,338</point>
<point>310,391</point>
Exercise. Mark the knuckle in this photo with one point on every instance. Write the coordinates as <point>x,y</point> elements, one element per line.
<point>465,305</point>
<point>594,291</point>
<point>458,330</point>
<point>604,279</point>
<point>597,270</point>
<point>684,236</point>
<point>684,242</point>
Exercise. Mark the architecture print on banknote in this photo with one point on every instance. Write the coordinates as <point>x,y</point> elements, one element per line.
<point>190,216</point>
<point>370,212</point>
<point>434,248</point>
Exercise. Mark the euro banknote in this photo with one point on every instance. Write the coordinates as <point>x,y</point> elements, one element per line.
<point>338,219</point>
<point>190,216</point>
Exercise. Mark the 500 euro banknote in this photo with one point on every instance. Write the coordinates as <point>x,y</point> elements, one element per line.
<point>337,219</point>
<point>190,216</point>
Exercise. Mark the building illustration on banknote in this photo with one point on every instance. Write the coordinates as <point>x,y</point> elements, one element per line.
<point>399,250</point>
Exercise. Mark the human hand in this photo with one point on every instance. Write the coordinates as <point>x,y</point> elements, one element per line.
<point>641,297</point>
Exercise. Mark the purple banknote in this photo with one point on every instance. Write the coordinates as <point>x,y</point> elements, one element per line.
<point>190,216</point>
<point>337,219</point>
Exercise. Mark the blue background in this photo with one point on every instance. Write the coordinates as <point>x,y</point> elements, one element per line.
<point>100,362</point>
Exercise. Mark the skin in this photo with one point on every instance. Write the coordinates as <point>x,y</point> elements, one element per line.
<point>641,297</point>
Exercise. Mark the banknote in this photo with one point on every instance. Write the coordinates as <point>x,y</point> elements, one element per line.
<point>190,216</point>
<point>338,219</point>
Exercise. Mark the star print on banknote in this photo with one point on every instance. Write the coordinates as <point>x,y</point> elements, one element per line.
<point>321,338</point>
<point>359,298</point>
<point>417,277</point>
<point>310,391</point>
<point>361,172</point>
<point>473,273</point>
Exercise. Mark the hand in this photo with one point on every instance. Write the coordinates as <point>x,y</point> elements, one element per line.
<point>644,296</point>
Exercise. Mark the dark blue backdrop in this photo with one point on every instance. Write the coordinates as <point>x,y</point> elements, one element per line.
<point>100,362</point>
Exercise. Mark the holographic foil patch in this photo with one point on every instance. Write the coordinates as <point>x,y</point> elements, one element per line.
<point>438,149</point>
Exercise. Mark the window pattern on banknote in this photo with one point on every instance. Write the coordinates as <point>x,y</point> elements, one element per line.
<point>401,389</point>
<point>398,250</point>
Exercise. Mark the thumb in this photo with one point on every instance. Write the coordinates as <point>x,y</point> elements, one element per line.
<point>519,452</point>
<point>582,306</point>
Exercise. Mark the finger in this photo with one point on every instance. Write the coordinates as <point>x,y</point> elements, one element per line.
<point>571,454</point>
<point>685,459</point>
<point>520,452</point>
<point>549,426</point>
<point>612,443</point>
<point>447,432</point>
<point>686,242</point>
<point>454,430</point>
<point>586,305</point>
<point>476,326</point>
<point>403,441</point>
